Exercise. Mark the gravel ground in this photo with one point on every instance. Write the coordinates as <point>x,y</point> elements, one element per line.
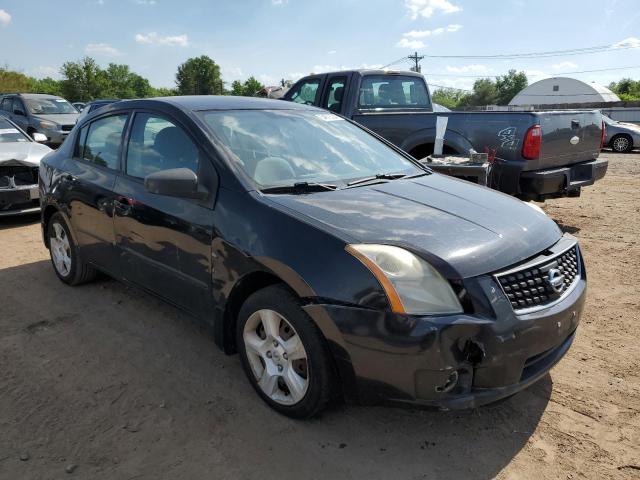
<point>105,382</point>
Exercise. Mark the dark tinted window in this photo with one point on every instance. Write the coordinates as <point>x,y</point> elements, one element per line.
<point>305,92</point>
<point>158,144</point>
<point>393,91</point>
<point>99,143</point>
<point>333,100</point>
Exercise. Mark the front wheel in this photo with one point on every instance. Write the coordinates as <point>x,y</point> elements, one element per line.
<point>283,353</point>
<point>621,144</point>
<point>66,260</point>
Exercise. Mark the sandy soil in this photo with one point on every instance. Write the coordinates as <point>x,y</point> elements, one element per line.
<point>109,383</point>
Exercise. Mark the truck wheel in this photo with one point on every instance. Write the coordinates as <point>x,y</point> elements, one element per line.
<point>283,353</point>
<point>621,144</point>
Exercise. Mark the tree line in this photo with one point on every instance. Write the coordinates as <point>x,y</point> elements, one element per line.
<point>85,80</point>
<point>487,91</point>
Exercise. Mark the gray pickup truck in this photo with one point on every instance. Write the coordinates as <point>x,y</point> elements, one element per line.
<point>538,155</point>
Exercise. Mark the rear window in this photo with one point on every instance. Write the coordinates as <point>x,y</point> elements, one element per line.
<point>392,91</point>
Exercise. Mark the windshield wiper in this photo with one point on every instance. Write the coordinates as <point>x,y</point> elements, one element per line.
<point>300,188</point>
<point>377,176</point>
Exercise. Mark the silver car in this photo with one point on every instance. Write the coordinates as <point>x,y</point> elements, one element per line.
<point>50,115</point>
<point>620,136</point>
<point>20,157</point>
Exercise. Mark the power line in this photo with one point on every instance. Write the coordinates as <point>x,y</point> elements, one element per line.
<point>551,53</point>
<point>415,58</point>
<point>531,75</point>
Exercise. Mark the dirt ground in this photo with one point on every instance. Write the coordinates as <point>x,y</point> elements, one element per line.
<point>106,382</point>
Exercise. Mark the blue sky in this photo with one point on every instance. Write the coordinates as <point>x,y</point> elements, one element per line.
<point>272,39</point>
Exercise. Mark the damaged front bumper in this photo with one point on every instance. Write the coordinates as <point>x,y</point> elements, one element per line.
<point>449,362</point>
<point>19,192</point>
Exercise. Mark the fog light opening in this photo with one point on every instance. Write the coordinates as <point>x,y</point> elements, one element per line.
<point>450,384</point>
<point>473,352</point>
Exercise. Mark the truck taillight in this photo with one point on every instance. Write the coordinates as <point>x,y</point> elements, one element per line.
<point>532,142</point>
<point>603,135</point>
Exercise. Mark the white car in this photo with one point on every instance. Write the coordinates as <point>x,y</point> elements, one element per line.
<point>20,157</point>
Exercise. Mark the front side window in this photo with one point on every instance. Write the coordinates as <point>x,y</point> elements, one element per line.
<point>392,91</point>
<point>99,142</point>
<point>6,104</point>
<point>158,144</point>
<point>283,147</point>
<point>335,94</point>
<point>305,92</point>
<point>49,106</point>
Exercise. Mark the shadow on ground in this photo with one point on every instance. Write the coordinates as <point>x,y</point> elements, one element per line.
<point>120,384</point>
<point>18,221</point>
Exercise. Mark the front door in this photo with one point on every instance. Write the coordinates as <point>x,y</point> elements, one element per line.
<point>164,242</point>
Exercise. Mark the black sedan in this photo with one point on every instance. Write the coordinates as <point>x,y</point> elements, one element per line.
<point>334,263</point>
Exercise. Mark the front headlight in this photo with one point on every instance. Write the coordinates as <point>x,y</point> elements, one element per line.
<point>412,285</point>
<point>47,125</point>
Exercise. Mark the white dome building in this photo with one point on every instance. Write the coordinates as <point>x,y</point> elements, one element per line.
<point>563,90</point>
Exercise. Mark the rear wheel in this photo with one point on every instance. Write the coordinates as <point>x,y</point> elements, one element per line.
<point>283,353</point>
<point>66,260</point>
<point>621,144</point>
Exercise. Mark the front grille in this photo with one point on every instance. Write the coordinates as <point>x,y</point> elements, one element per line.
<point>13,176</point>
<point>533,286</point>
<point>67,128</point>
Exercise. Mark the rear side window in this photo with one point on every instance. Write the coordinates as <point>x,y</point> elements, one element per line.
<point>158,144</point>
<point>6,104</point>
<point>335,94</point>
<point>305,92</point>
<point>392,91</point>
<point>99,142</point>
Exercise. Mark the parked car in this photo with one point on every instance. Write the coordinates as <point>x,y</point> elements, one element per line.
<point>50,115</point>
<point>20,157</point>
<point>93,105</point>
<point>621,137</point>
<point>540,154</point>
<point>79,106</point>
<point>334,263</point>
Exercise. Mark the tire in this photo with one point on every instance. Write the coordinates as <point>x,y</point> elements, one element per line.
<point>621,144</point>
<point>65,258</point>
<point>268,323</point>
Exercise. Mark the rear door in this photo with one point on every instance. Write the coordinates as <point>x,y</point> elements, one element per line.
<point>90,177</point>
<point>568,137</point>
<point>164,242</point>
<point>335,94</point>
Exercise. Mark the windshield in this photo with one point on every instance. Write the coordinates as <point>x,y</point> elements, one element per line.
<point>284,147</point>
<point>9,133</point>
<point>49,106</point>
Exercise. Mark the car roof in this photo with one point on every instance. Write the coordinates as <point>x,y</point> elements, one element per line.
<point>368,71</point>
<point>36,95</point>
<point>228,102</point>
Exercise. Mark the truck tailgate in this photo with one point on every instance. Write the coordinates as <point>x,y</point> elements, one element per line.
<point>567,138</point>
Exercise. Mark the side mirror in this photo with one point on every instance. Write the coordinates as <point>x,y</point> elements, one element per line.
<point>39,137</point>
<point>17,111</point>
<point>175,182</point>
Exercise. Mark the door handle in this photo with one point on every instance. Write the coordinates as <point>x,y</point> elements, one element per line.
<point>69,178</point>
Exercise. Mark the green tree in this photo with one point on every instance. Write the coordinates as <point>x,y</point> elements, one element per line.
<point>199,76</point>
<point>11,81</point>
<point>509,85</point>
<point>237,88</point>
<point>46,85</point>
<point>83,80</point>
<point>450,97</point>
<point>484,93</point>
<point>252,86</point>
<point>627,89</point>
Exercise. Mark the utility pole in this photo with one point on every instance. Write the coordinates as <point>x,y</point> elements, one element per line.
<point>416,59</point>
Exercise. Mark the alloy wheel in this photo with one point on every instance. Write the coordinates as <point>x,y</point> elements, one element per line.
<point>277,357</point>
<point>621,144</point>
<point>60,250</point>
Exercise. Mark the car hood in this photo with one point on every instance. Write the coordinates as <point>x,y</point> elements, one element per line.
<point>473,229</point>
<point>60,118</point>
<point>22,153</point>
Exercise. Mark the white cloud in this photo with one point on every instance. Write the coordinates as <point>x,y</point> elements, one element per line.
<point>147,3</point>
<point>538,74</point>
<point>46,71</point>
<point>426,8</point>
<point>102,49</point>
<point>564,66</point>
<point>268,80</point>
<point>233,73</point>
<point>632,42</point>
<point>152,38</point>
<point>332,52</point>
<point>375,66</point>
<point>469,68</point>
<point>278,2</point>
<point>434,32</point>
<point>5,18</point>
<point>406,43</point>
